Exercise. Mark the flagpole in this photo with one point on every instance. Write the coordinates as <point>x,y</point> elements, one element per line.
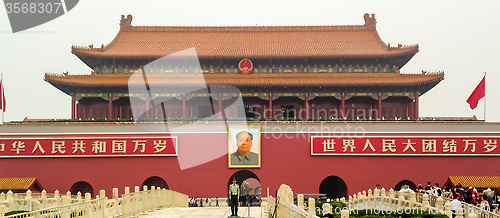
<point>484,96</point>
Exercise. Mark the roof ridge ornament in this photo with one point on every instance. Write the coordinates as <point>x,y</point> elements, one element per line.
<point>370,22</point>
<point>126,22</point>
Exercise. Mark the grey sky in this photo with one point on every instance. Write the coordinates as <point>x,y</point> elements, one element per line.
<point>460,38</point>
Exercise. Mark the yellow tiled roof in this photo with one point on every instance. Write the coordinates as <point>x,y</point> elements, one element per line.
<point>249,42</point>
<point>476,181</point>
<point>16,183</point>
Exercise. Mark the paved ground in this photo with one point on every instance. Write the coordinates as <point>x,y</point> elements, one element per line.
<point>208,212</point>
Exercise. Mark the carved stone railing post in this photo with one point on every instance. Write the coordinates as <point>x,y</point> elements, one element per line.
<point>57,198</point>
<point>376,197</point>
<point>300,201</point>
<point>68,195</point>
<point>79,197</point>
<point>371,198</point>
<point>136,198</point>
<point>65,200</point>
<point>43,199</point>
<point>145,198</point>
<point>401,199</point>
<point>440,204</point>
<point>115,193</point>
<point>116,199</point>
<point>152,198</point>
<point>28,200</point>
<point>386,201</point>
<point>104,202</point>
<point>425,202</point>
<point>161,201</point>
<point>413,198</point>
<point>88,209</point>
<point>164,197</point>
<point>391,193</point>
<point>312,205</point>
<point>102,193</point>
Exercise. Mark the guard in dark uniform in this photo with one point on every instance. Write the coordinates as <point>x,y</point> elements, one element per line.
<point>234,193</point>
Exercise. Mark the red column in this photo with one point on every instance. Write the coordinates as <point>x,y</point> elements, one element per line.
<point>416,106</point>
<point>271,112</point>
<point>183,106</point>
<point>220,106</point>
<point>78,111</point>
<point>110,107</point>
<point>342,106</point>
<point>73,103</point>
<point>307,106</point>
<point>83,112</point>
<point>379,107</point>
<point>116,112</point>
<point>411,108</point>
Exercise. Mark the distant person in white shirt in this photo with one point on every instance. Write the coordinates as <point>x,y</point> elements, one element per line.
<point>455,205</point>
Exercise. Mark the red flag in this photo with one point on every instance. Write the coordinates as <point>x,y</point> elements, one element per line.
<point>477,94</point>
<point>3,105</point>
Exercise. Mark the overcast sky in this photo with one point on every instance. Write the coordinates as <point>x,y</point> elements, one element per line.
<point>461,38</point>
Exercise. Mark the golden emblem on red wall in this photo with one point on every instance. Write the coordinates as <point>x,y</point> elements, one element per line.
<point>245,66</point>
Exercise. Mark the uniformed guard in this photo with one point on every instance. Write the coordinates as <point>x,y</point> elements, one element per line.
<point>234,193</point>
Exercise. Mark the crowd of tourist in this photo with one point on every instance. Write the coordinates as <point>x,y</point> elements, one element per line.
<point>207,202</point>
<point>486,199</point>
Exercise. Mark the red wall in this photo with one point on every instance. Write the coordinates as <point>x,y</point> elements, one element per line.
<point>285,159</point>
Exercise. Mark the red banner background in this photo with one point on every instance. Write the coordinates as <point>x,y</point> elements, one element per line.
<point>406,144</point>
<point>88,145</point>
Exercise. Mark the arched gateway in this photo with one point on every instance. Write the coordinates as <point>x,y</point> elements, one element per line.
<point>250,185</point>
<point>405,182</point>
<point>82,187</point>
<point>155,181</point>
<point>334,187</point>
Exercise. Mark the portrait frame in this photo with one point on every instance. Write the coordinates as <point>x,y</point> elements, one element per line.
<point>232,147</point>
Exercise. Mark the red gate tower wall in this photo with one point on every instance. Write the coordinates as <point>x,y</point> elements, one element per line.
<point>286,158</point>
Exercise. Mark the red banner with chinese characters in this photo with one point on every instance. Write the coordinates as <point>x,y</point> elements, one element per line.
<point>87,145</point>
<point>407,144</point>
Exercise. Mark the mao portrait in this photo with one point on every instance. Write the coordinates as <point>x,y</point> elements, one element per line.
<point>244,147</point>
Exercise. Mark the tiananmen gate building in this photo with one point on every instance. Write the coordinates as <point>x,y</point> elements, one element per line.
<point>298,71</point>
<point>328,108</point>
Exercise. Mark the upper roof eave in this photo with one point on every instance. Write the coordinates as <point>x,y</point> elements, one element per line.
<point>98,54</point>
<point>347,41</point>
<point>313,79</point>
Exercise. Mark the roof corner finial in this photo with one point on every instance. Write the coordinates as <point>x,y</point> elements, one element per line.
<point>126,22</point>
<point>370,22</point>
